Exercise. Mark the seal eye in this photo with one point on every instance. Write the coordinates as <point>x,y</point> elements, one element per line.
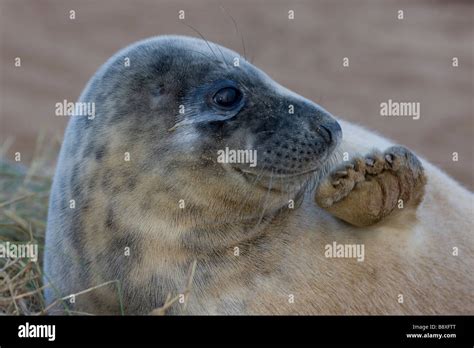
<point>227,97</point>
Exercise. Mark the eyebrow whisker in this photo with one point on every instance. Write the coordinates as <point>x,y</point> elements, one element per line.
<point>207,43</point>
<point>236,29</point>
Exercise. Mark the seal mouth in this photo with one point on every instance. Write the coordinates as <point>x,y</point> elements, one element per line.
<point>268,174</point>
<point>277,183</point>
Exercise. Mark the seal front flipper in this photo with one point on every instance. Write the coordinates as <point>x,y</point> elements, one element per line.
<point>371,188</point>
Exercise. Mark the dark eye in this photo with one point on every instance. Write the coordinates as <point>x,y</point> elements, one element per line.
<point>227,97</point>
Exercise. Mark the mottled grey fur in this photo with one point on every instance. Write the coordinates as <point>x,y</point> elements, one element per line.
<point>128,244</point>
<point>135,108</point>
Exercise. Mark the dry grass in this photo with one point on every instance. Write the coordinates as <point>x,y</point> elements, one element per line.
<point>24,195</point>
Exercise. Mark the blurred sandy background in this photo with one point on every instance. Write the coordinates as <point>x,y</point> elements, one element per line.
<point>402,60</point>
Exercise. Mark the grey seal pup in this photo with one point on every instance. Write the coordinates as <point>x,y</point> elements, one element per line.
<point>145,218</point>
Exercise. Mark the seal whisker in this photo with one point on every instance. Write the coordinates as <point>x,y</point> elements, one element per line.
<point>266,199</point>
<point>201,53</point>
<point>254,182</point>
<point>207,42</point>
<point>236,29</point>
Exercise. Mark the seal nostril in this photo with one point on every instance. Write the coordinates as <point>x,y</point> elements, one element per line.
<point>331,129</point>
<point>325,133</point>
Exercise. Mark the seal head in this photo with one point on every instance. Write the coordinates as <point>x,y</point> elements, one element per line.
<point>186,100</point>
